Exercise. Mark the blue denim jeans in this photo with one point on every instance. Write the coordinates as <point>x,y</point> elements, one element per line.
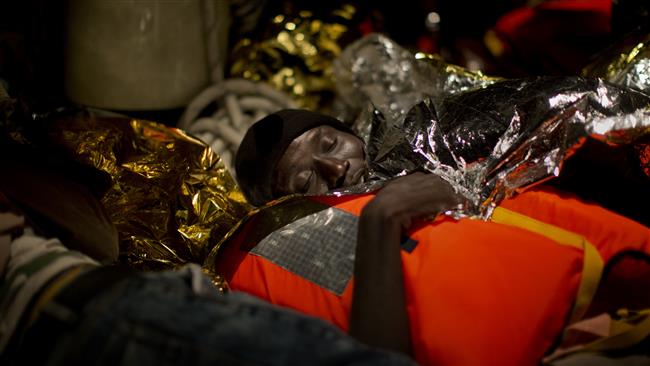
<point>161,319</point>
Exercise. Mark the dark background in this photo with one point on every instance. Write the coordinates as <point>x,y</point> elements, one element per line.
<point>32,38</point>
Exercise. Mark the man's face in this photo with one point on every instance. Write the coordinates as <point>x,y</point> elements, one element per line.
<point>320,160</point>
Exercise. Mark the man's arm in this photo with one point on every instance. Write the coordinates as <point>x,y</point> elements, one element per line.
<point>378,316</point>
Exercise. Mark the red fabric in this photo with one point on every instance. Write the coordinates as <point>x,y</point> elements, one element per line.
<point>551,14</point>
<point>596,6</point>
<point>555,37</point>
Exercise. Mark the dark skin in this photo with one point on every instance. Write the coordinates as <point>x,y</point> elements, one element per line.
<point>310,165</point>
<point>320,160</point>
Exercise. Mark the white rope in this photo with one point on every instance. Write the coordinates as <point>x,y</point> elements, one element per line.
<point>239,103</point>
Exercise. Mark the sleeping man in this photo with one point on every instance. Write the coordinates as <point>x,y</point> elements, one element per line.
<point>295,151</point>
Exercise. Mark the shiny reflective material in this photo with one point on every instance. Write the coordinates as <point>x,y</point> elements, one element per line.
<point>375,69</point>
<point>171,198</point>
<point>296,54</point>
<point>319,247</point>
<point>626,64</point>
<point>488,138</point>
<point>264,220</point>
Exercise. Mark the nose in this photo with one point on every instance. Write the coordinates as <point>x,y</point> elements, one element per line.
<point>333,170</point>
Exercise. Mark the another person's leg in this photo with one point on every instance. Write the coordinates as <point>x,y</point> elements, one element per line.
<point>172,318</point>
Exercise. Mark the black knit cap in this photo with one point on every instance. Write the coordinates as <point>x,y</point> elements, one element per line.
<point>264,144</point>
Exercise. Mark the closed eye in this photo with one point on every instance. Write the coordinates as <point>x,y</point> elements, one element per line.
<point>332,144</point>
<point>305,187</point>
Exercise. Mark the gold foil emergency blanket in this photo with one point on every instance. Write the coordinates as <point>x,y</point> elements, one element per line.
<point>171,198</point>
<point>296,55</point>
<point>488,138</point>
<point>627,63</point>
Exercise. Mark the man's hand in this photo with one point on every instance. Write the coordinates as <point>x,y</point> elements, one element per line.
<point>378,315</point>
<point>410,198</point>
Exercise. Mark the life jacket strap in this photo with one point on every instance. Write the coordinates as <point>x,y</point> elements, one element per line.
<point>592,262</point>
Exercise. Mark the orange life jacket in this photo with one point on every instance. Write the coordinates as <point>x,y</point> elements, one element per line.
<point>477,292</point>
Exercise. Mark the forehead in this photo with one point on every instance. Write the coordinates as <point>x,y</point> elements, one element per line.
<point>297,149</point>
